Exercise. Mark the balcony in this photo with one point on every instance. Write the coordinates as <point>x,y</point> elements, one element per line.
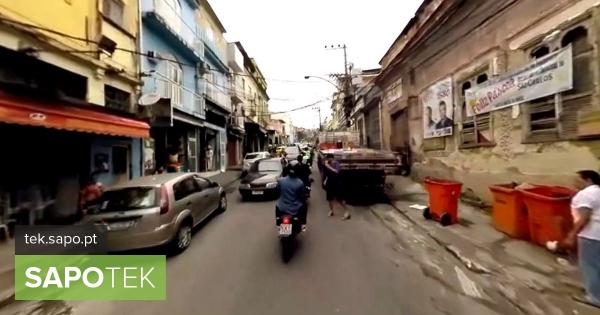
<point>217,95</point>
<point>181,97</point>
<point>220,53</point>
<point>165,16</point>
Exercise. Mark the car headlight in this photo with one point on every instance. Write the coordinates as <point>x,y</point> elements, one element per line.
<point>271,185</point>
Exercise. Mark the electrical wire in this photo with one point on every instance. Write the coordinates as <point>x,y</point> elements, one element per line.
<point>135,52</point>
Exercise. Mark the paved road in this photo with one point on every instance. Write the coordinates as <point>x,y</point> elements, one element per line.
<point>342,267</point>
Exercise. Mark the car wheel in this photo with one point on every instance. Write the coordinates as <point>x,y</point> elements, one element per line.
<point>222,203</point>
<point>183,238</point>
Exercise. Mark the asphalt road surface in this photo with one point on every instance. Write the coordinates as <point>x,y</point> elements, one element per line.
<point>234,267</point>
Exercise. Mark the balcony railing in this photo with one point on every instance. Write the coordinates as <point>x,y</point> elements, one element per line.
<point>216,94</point>
<point>212,45</point>
<point>181,97</point>
<point>169,14</point>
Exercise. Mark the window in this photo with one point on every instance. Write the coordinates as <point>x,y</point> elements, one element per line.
<point>115,98</point>
<point>113,10</point>
<point>174,88</point>
<point>185,188</point>
<point>555,117</point>
<point>202,183</point>
<point>120,160</point>
<point>476,131</point>
<point>125,199</point>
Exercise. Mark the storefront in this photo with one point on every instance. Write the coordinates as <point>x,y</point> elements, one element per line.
<point>256,137</point>
<point>52,149</point>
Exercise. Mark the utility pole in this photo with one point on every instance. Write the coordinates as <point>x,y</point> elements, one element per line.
<point>320,123</point>
<point>347,89</point>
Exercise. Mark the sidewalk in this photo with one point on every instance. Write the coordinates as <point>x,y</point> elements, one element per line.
<point>7,248</point>
<point>223,178</point>
<point>520,269</point>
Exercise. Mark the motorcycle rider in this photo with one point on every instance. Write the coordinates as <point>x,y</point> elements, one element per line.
<point>304,170</point>
<point>292,197</point>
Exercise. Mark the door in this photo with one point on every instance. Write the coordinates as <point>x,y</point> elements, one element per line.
<point>400,136</point>
<point>120,164</point>
<point>210,196</point>
<point>188,197</point>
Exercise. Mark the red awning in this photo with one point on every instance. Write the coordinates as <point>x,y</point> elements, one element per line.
<point>22,111</point>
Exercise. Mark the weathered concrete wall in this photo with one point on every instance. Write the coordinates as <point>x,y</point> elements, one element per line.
<point>475,34</point>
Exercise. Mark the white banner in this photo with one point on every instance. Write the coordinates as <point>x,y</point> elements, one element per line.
<point>545,76</point>
<point>438,109</point>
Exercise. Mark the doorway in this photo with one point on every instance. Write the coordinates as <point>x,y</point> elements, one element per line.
<point>121,163</point>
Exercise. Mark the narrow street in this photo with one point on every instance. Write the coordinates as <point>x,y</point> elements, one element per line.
<point>342,267</point>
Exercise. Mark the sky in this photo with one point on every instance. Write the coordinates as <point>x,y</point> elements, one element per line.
<point>288,38</point>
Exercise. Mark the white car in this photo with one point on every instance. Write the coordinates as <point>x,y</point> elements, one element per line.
<point>253,157</point>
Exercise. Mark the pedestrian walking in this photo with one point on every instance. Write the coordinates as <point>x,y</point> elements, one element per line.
<point>333,186</point>
<point>585,234</point>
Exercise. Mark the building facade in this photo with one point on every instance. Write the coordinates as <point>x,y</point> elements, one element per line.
<point>446,83</point>
<point>216,85</point>
<point>173,49</point>
<point>252,89</point>
<point>68,91</point>
<point>236,131</point>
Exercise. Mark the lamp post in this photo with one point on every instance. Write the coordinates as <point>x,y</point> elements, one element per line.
<point>337,87</point>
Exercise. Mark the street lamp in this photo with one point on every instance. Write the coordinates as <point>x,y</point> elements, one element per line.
<point>321,78</point>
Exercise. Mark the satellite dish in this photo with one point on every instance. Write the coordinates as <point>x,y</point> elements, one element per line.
<point>149,99</point>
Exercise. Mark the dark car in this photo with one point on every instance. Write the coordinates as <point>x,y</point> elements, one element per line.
<point>262,179</point>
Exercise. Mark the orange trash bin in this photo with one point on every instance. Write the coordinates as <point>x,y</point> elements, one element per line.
<point>443,200</point>
<point>509,214</point>
<point>549,211</point>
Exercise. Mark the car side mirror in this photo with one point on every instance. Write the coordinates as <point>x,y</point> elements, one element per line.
<point>214,185</point>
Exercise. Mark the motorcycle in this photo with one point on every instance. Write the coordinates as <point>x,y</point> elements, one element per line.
<point>289,228</point>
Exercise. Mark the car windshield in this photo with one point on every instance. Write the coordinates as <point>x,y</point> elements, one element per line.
<point>269,166</point>
<point>125,199</point>
<point>251,156</point>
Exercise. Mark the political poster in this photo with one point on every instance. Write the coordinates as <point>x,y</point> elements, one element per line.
<point>438,109</point>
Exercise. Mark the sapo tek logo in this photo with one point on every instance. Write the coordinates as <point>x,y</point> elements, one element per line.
<point>90,277</point>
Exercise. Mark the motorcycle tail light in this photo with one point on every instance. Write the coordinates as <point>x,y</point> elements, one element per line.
<point>286,220</point>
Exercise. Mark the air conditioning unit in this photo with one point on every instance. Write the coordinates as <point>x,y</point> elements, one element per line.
<point>152,56</point>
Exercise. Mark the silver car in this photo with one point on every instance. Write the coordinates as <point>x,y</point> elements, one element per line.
<point>156,210</point>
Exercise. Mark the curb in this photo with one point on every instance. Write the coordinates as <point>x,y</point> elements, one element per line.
<point>7,297</point>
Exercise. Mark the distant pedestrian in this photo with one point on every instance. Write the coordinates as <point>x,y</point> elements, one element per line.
<point>586,232</point>
<point>333,186</point>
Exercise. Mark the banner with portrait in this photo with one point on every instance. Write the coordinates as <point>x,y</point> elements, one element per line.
<point>438,109</point>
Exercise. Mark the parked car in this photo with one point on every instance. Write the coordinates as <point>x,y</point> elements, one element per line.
<point>253,157</point>
<point>156,210</point>
<point>262,179</point>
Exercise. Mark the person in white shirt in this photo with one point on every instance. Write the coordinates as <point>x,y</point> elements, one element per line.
<point>586,232</point>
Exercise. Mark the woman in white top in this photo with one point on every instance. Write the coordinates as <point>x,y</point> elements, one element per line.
<point>586,232</point>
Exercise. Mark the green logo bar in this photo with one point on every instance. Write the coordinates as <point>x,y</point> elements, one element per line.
<point>90,277</point>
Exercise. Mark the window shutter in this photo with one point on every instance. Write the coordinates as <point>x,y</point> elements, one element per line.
<point>569,117</point>
<point>468,133</point>
<point>543,125</point>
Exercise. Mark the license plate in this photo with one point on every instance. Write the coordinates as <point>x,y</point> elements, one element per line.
<point>258,192</point>
<point>117,226</point>
<point>285,229</point>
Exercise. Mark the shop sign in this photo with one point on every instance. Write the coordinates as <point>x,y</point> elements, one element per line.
<point>545,76</point>
<point>438,109</point>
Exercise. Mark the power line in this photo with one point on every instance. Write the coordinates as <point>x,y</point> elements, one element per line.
<point>135,52</point>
